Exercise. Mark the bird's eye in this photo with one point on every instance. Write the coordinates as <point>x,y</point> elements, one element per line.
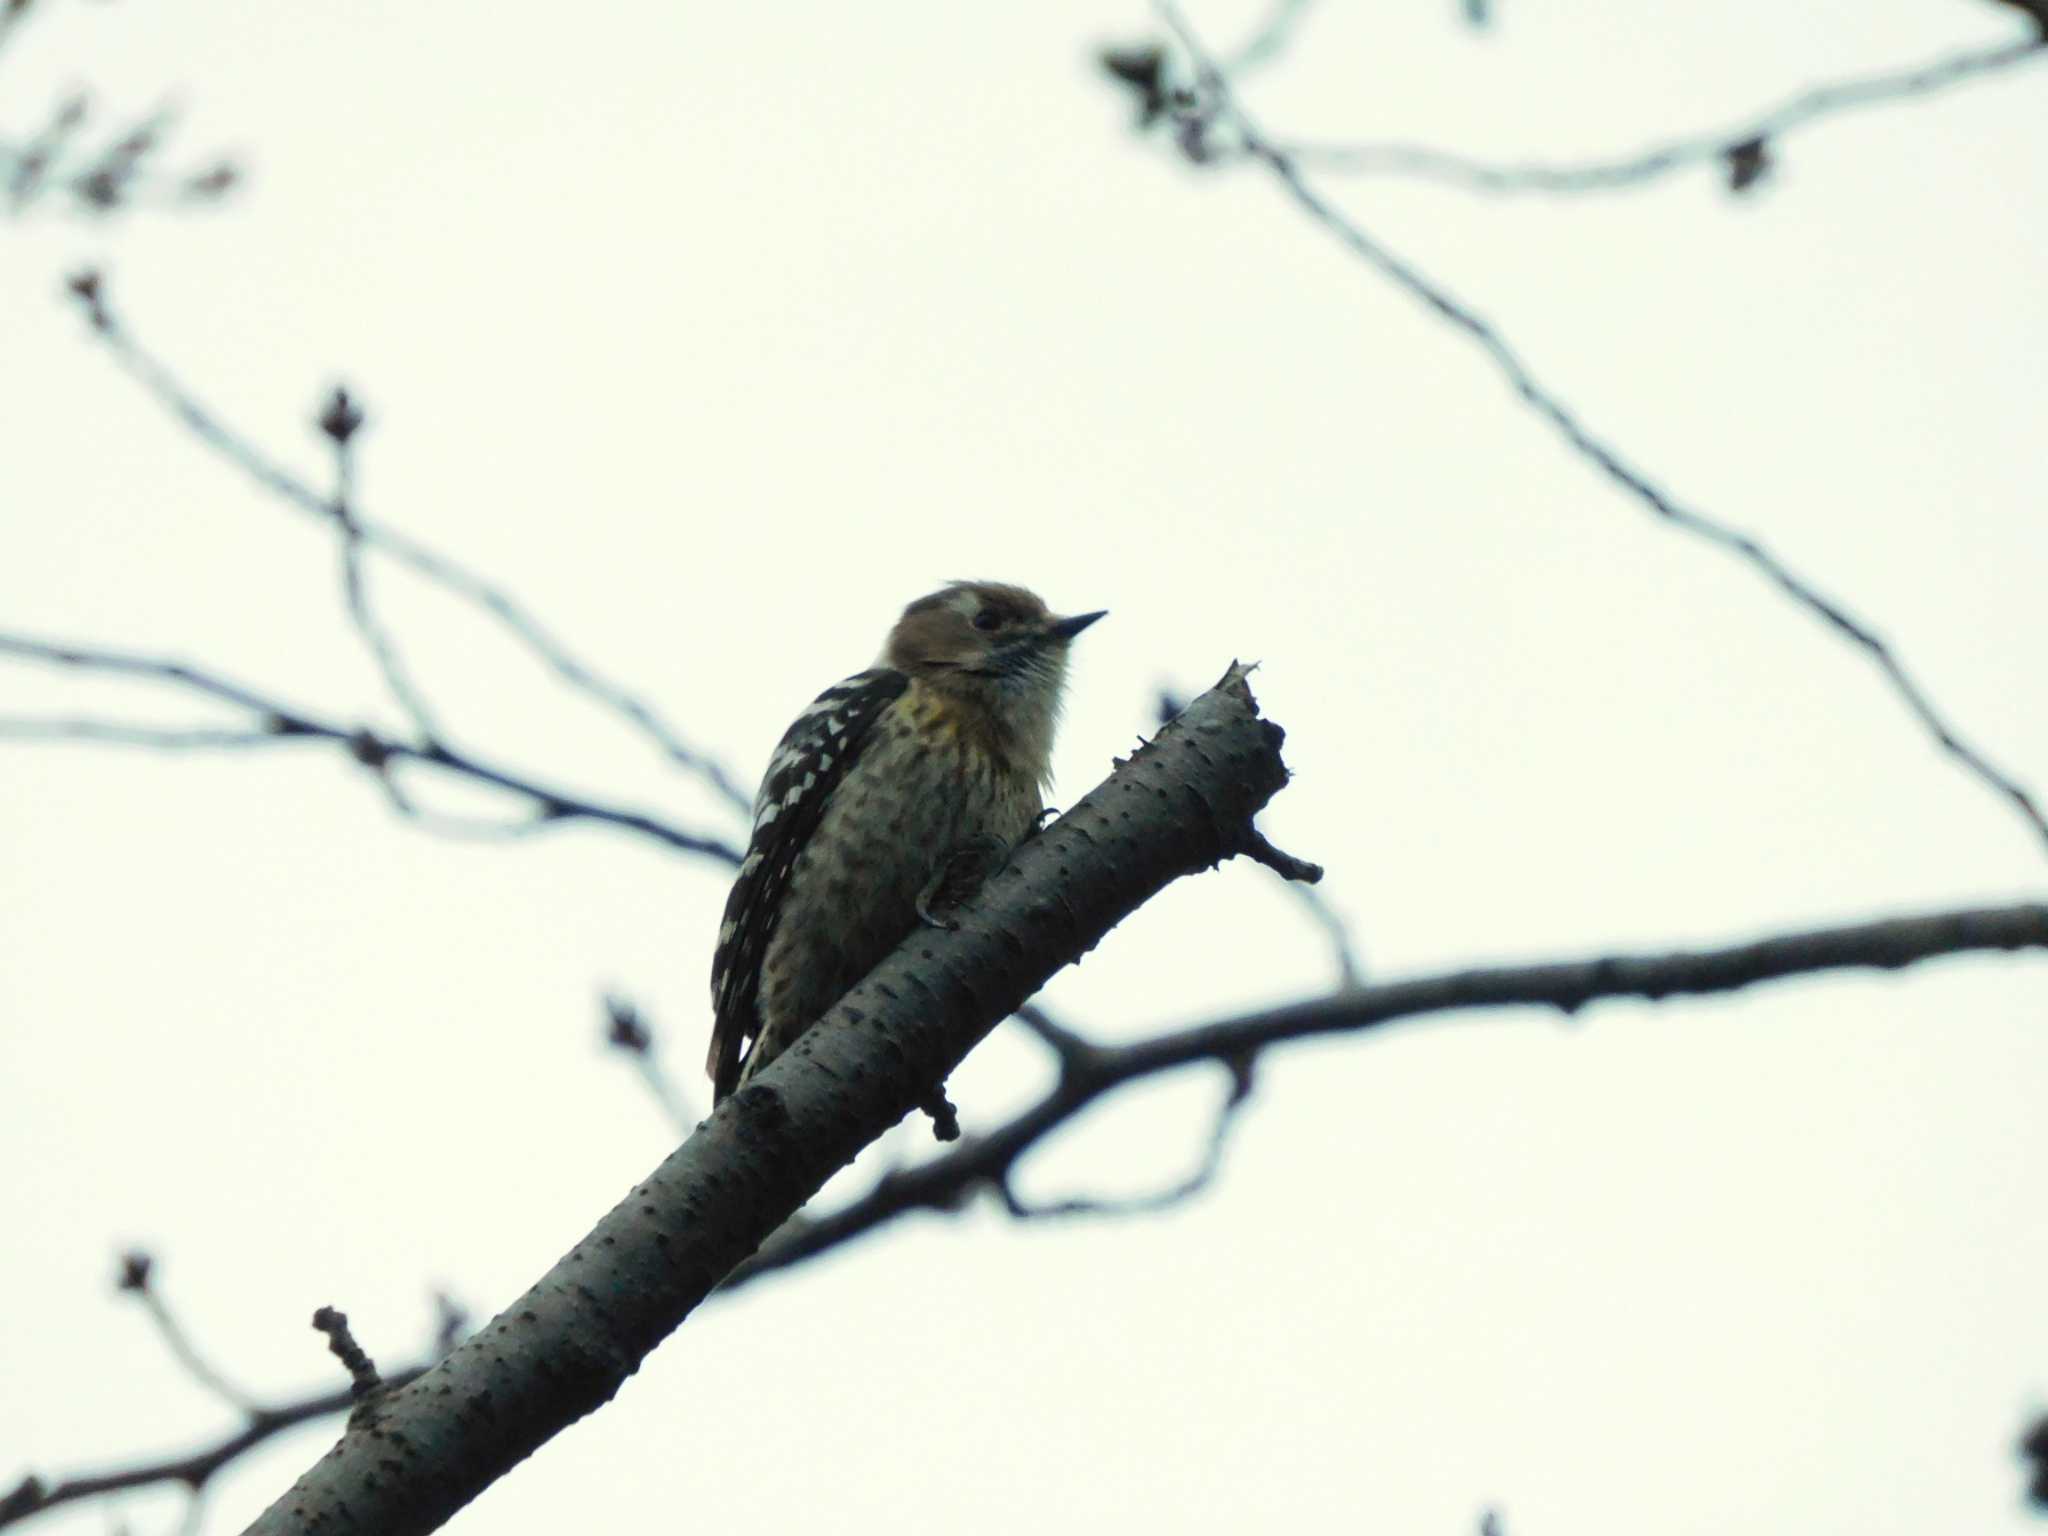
<point>988,619</point>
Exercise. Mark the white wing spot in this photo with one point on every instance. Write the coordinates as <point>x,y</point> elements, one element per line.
<point>835,725</point>
<point>768,815</point>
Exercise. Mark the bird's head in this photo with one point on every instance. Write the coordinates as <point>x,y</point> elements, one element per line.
<point>998,657</point>
<point>984,632</point>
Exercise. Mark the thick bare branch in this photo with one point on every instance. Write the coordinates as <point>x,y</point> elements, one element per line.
<point>1218,104</point>
<point>1725,148</point>
<point>411,1458</point>
<point>280,723</point>
<point>946,1182</point>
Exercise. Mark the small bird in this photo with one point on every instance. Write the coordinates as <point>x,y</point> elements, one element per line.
<point>888,801</point>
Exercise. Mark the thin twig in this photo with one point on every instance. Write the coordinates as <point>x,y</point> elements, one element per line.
<point>120,733</point>
<point>32,1496</point>
<point>180,1346</point>
<point>1260,850</point>
<point>627,1032</point>
<point>138,1279</point>
<point>1271,38</point>
<point>477,829</point>
<point>119,174</point>
<point>1152,1202</point>
<point>1221,103</point>
<point>1068,1045</point>
<point>340,419</point>
<point>1714,148</point>
<point>574,674</point>
<point>171,392</point>
<point>287,723</point>
<point>260,1421</point>
<point>1343,943</point>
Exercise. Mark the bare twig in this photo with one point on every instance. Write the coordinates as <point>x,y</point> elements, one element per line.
<point>181,401</point>
<point>1283,864</point>
<point>1343,944</point>
<point>340,419</point>
<point>451,1323</point>
<point>1066,1044</point>
<point>475,829</point>
<point>138,1279</point>
<point>195,1469</point>
<point>1271,38</point>
<point>1177,1193</point>
<point>119,733</point>
<point>1727,148</point>
<point>988,1160</point>
<point>362,1370</point>
<point>1305,888</point>
<point>1220,104</point>
<point>121,173</point>
<point>260,1421</point>
<point>28,166</point>
<point>281,723</point>
<point>575,674</point>
<point>627,1032</point>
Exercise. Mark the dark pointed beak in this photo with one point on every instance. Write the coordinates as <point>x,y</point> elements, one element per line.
<point>1066,629</point>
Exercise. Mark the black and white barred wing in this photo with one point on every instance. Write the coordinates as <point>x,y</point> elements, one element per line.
<point>808,765</point>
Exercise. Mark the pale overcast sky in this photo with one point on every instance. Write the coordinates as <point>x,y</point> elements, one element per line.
<point>717,333</point>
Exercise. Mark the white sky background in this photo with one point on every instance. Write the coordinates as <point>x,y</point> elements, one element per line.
<point>717,334</point>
